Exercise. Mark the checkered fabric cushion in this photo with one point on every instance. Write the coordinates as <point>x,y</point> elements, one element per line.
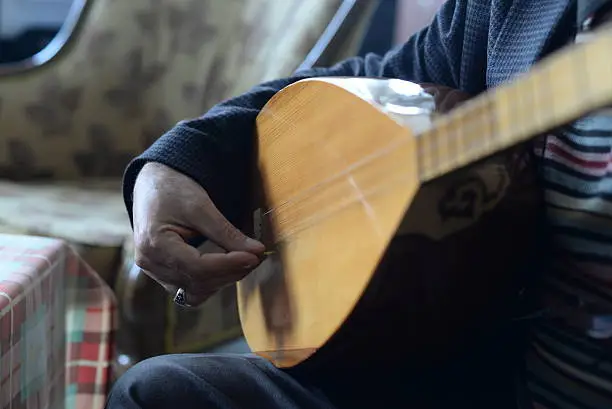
<point>57,321</point>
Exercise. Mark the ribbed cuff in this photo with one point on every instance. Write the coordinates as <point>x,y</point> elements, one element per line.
<point>183,149</point>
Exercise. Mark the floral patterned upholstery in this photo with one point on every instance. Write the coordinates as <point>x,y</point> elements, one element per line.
<point>129,71</point>
<point>133,68</point>
<point>90,215</point>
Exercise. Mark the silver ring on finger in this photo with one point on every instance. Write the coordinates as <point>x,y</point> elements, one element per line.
<point>180,299</point>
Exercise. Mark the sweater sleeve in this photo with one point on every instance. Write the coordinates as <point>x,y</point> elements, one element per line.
<point>216,149</point>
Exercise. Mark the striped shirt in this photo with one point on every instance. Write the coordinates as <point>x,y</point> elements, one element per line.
<point>570,361</point>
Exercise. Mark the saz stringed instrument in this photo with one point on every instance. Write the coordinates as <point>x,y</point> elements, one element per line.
<point>384,222</point>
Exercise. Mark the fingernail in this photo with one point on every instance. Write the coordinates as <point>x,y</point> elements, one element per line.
<point>254,244</point>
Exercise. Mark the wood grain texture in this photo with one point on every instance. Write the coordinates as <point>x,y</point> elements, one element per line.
<point>339,176</point>
<point>563,87</point>
<point>306,158</point>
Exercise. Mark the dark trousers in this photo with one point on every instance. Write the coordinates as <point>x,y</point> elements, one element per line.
<point>485,377</point>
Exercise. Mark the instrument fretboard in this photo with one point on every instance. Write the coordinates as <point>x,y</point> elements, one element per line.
<point>558,90</point>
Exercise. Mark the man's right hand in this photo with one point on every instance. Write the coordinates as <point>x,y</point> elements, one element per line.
<point>169,209</point>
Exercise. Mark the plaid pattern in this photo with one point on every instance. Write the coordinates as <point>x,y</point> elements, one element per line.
<point>57,319</point>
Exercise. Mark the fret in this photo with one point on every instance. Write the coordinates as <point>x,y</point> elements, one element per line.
<point>468,128</point>
<point>524,111</point>
<point>541,99</point>
<point>516,112</point>
<point>455,144</point>
<point>425,145</point>
<point>582,83</point>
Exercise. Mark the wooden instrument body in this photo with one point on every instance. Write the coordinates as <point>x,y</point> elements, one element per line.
<point>334,226</point>
<point>367,237</point>
<point>310,236</point>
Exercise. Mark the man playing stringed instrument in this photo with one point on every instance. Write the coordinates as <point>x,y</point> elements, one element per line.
<point>471,46</point>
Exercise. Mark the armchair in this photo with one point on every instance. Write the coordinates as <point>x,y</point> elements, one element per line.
<point>117,76</point>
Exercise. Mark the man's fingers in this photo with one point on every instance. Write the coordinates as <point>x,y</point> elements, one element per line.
<point>203,285</point>
<point>172,261</point>
<point>224,268</point>
<point>218,229</point>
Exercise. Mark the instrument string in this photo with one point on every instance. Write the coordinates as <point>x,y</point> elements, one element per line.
<point>426,151</point>
<point>483,117</point>
<point>345,172</point>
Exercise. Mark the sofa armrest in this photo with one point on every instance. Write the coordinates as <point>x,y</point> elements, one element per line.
<point>343,35</point>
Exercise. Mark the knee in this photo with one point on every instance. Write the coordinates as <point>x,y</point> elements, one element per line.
<point>186,381</point>
<point>152,383</point>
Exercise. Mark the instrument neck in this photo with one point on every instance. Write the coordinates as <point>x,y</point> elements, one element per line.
<point>457,139</point>
<point>521,110</point>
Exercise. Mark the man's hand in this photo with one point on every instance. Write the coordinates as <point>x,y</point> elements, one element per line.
<point>170,208</point>
<point>446,98</point>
